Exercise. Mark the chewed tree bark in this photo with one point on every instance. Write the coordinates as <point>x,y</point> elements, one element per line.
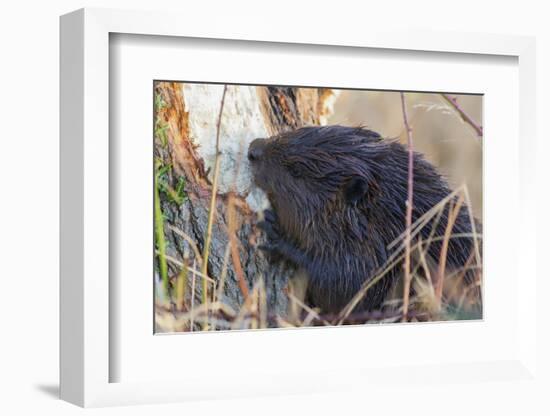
<point>186,118</point>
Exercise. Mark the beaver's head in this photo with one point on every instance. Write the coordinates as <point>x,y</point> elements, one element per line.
<point>315,166</point>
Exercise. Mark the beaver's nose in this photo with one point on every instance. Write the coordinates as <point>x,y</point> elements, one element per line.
<point>256,149</point>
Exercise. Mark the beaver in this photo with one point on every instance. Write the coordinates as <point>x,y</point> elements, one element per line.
<point>338,200</point>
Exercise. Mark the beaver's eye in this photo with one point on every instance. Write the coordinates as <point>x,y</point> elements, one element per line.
<point>294,170</point>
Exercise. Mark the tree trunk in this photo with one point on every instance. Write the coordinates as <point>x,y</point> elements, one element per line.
<point>186,126</point>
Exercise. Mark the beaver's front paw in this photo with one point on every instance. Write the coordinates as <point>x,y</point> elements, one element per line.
<point>270,226</point>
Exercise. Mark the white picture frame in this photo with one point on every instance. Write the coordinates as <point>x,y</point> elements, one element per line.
<point>86,356</point>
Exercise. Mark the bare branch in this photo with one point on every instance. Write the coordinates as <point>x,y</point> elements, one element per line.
<point>212,211</point>
<point>463,115</point>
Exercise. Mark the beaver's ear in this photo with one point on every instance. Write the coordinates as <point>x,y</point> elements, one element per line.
<point>355,190</point>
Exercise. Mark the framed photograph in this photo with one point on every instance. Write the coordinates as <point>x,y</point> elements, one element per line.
<point>282,213</point>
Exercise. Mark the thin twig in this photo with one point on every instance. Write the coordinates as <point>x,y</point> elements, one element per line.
<point>181,286</point>
<point>220,121</point>
<point>308,309</point>
<point>425,266</point>
<point>463,115</point>
<point>408,220</point>
<point>189,240</point>
<point>203,276</point>
<point>192,296</point>
<point>245,308</point>
<point>182,265</point>
<point>212,211</point>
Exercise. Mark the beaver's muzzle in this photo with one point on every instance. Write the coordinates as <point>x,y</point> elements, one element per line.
<point>256,149</point>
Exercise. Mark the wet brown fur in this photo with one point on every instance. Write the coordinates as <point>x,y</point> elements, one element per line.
<point>338,196</point>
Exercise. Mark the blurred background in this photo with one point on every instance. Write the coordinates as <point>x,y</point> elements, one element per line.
<point>438,131</point>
